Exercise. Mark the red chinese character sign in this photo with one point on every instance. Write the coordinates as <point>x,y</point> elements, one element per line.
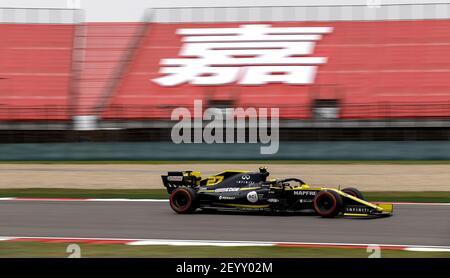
<point>288,65</point>
<point>251,54</point>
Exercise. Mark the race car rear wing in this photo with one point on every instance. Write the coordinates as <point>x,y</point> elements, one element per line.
<point>174,180</point>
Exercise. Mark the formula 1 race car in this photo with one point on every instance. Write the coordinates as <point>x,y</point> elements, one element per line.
<point>244,190</point>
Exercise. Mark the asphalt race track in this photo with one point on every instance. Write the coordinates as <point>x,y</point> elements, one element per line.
<point>411,224</point>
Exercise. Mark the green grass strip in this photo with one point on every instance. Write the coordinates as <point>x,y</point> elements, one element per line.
<point>58,250</point>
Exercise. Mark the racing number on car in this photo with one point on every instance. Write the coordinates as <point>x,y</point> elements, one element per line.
<point>214,180</point>
<point>252,197</point>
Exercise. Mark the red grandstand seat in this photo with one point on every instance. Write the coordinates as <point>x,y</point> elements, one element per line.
<point>106,50</point>
<point>35,71</point>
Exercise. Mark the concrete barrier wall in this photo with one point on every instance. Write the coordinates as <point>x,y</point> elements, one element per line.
<point>320,150</point>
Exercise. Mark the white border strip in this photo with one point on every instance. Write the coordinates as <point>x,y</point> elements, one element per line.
<point>414,204</point>
<point>199,243</point>
<point>6,238</point>
<point>426,249</point>
<point>224,243</point>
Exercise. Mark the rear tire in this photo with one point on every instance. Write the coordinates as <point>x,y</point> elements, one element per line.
<point>184,200</point>
<point>354,192</point>
<point>328,203</point>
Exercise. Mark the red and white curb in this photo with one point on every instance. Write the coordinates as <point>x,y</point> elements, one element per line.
<point>164,200</point>
<point>223,243</point>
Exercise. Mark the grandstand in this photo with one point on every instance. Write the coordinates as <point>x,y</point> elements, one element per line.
<point>105,49</point>
<point>36,49</point>
<point>384,67</point>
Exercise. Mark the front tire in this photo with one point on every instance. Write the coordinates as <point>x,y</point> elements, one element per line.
<point>354,192</point>
<point>184,200</point>
<point>328,203</point>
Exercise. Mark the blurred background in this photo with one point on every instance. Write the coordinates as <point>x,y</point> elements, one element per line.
<point>76,80</point>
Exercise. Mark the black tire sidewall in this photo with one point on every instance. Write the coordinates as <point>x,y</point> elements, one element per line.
<point>192,196</point>
<point>337,203</point>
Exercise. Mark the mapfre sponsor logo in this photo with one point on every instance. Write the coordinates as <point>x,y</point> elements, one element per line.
<point>251,54</point>
<point>305,193</point>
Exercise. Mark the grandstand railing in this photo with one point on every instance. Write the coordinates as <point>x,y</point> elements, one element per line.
<point>378,111</point>
<point>302,13</point>
<point>40,16</point>
<point>384,111</point>
<point>23,113</point>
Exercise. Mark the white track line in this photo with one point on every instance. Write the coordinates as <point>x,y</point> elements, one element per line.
<point>6,238</point>
<point>415,204</point>
<point>427,249</point>
<point>223,243</point>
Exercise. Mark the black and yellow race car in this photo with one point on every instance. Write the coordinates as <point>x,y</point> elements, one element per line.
<point>244,190</point>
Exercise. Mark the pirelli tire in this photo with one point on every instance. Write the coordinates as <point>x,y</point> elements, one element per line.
<point>354,192</point>
<point>184,200</point>
<point>328,203</point>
